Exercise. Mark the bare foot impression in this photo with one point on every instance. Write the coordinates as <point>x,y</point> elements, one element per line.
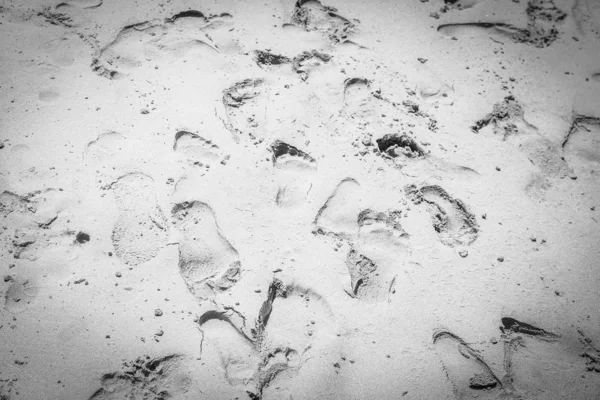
<point>339,214</point>
<point>174,37</point>
<point>141,228</point>
<point>272,62</point>
<point>146,378</point>
<point>470,376</point>
<point>246,108</point>
<point>378,243</point>
<point>544,20</point>
<point>274,357</point>
<point>508,121</point>
<point>196,149</point>
<point>450,217</point>
<point>295,172</point>
<point>208,263</point>
<point>308,61</point>
<point>21,293</point>
<point>311,15</point>
<point>533,360</point>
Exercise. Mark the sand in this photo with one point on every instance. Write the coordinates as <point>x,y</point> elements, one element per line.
<point>299,200</point>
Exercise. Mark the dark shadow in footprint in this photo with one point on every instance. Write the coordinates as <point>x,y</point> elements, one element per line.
<point>469,374</point>
<point>297,172</point>
<point>208,263</point>
<point>80,4</point>
<point>396,145</point>
<point>511,325</point>
<point>451,219</point>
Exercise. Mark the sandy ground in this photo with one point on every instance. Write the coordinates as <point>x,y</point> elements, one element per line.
<point>275,200</point>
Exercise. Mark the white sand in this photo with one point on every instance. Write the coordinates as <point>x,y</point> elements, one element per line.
<point>278,200</point>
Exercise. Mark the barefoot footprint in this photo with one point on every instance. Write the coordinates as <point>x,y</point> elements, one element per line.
<point>208,263</point>
<point>275,357</point>
<point>140,231</point>
<point>450,217</point>
<point>469,374</point>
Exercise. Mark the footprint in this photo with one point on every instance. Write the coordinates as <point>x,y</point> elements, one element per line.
<point>295,179</point>
<point>357,92</point>
<point>508,121</point>
<point>208,263</point>
<point>469,374</point>
<point>512,326</point>
<point>368,282</point>
<point>64,51</point>
<point>239,355</point>
<point>451,219</point>
<point>339,214</point>
<point>404,153</point>
<point>381,236</point>
<point>21,293</point>
<point>544,20</point>
<point>146,378</point>
<point>271,62</point>
<point>288,157</point>
<point>582,145</point>
<point>532,357</point>
<point>311,15</point>
<point>400,146</point>
<point>282,351</point>
<point>141,229</point>
<point>246,109</point>
<point>172,38</point>
<point>308,61</point>
<point>364,108</point>
<point>110,152</point>
<point>196,149</point>
<point>13,203</point>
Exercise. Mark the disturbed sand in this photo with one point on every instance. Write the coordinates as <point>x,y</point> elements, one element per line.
<point>300,200</point>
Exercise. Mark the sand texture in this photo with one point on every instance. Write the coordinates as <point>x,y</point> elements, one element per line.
<point>300,199</point>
